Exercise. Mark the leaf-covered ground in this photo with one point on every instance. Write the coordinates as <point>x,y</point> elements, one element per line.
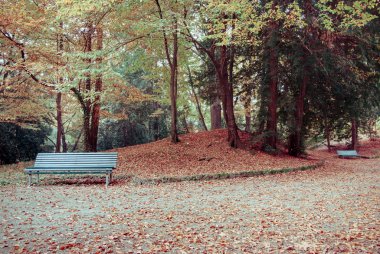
<point>332,209</point>
<point>196,154</point>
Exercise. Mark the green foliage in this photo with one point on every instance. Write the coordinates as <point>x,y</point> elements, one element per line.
<point>345,15</point>
<point>337,40</point>
<point>21,144</point>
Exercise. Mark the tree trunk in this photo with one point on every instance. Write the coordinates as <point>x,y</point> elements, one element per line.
<point>59,122</point>
<point>354,134</point>
<point>184,122</point>
<point>220,61</point>
<point>86,130</point>
<point>95,118</point>
<point>247,122</point>
<point>247,113</point>
<point>58,100</point>
<point>273,62</point>
<point>87,101</point>
<point>233,137</point>
<point>64,143</point>
<point>262,115</point>
<point>227,96</point>
<point>201,117</point>
<point>173,87</point>
<point>296,138</point>
<point>77,141</point>
<point>173,63</point>
<point>216,115</point>
<point>327,134</point>
<point>173,102</point>
<point>271,129</point>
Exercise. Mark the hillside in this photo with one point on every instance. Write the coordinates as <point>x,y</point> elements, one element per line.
<point>198,153</point>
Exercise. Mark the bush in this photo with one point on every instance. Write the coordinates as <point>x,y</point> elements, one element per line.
<point>21,144</point>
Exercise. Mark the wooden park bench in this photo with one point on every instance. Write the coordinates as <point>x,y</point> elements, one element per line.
<point>73,163</point>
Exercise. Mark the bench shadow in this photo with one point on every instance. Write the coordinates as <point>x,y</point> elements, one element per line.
<point>80,181</point>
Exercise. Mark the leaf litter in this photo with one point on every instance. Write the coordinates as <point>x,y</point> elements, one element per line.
<point>199,153</point>
<point>334,209</point>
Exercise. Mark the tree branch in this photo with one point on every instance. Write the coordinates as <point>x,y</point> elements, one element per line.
<point>164,33</point>
<point>21,47</point>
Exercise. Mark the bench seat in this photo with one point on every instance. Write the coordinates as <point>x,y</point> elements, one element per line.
<point>347,153</point>
<point>73,163</point>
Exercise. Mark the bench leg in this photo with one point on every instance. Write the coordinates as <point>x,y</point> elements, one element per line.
<point>110,178</point>
<point>107,179</point>
<point>38,178</point>
<point>29,180</point>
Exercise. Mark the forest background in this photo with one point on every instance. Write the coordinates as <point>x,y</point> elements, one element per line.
<point>95,75</point>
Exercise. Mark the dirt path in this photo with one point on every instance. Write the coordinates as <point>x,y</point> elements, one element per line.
<point>332,209</point>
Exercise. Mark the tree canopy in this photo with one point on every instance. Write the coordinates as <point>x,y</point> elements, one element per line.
<point>103,74</point>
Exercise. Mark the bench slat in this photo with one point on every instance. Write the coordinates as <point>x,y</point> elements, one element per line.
<point>42,171</point>
<point>81,165</point>
<point>76,156</point>
<point>75,159</point>
<point>70,156</point>
<point>79,154</point>
<point>65,171</point>
<point>77,165</point>
<point>70,167</point>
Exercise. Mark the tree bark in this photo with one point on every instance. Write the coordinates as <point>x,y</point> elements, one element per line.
<point>296,139</point>
<point>271,45</point>
<point>59,122</point>
<point>77,141</point>
<point>227,98</point>
<point>184,122</point>
<point>271,128</point>
<point>173,64</point>
<point>247,122</point>
<point>247,112</point>
<point>173,86</point>
<point>58,100</point>
<point>64,143</point>
<point>87,101</point>
<point>327,134</point>
<point>216,115</point>
<point>354,134</point>
<point>95,118</point>
<point>201,117</point>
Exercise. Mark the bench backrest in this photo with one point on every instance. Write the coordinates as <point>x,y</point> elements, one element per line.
<point>75,160</point>
<point>347,153</point>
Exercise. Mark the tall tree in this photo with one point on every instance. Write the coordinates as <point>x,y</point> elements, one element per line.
<point>60,139</point>
<point>201,117</point>
<point>95,117</point>
<point>220,57</point>
<point>271,56</point>
<point>172,60</point>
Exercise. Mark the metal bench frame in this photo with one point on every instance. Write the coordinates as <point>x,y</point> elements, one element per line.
<point>73,163</point>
